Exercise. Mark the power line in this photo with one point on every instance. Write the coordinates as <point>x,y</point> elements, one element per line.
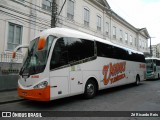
<point>33,4</point>
<point>23,25</point>
<point>62,7</point>
<point>20,13</point>
<point>39,18</point>
<point>54,11</point>
<point>24,14</point>
<point>24,19</point>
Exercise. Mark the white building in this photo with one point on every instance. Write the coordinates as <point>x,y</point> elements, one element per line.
<point>21,20</point>
<point>158,50</point>
<point>154,50</point>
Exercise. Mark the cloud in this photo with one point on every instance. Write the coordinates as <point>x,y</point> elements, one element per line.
<point>140,13</point>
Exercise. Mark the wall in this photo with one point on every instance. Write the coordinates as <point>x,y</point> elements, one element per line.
<point>8,82</point>
<point>8,76</point>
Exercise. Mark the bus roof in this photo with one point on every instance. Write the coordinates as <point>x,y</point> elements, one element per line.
<point>66,32</point>
<point>152,58</point>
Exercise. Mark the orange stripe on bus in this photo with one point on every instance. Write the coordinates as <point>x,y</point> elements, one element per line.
<point>35,94</point>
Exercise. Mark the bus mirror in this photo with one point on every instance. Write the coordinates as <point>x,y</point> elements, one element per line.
<point>41,43</point>
<point>13,55</point>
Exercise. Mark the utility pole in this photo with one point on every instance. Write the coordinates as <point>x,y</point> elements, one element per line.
<point>151,52</point>
<point>54,14</point>
<point>150,47</point>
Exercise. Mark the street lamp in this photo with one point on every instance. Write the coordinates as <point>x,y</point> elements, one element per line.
<point>151,46</point>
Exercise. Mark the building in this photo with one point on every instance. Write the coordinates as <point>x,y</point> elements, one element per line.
<point>156,50</point>
<point>21,20</point>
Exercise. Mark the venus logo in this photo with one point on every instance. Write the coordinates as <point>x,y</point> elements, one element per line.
<point>113,72</point>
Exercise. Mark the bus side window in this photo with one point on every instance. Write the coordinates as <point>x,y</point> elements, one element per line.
<point>59,55</point>
<point>79,49</point>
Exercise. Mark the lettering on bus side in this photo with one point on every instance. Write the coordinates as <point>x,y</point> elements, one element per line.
<point>114,72</point>
<point>143,66</point>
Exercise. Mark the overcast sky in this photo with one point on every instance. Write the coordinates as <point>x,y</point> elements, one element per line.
<point>141,14</point>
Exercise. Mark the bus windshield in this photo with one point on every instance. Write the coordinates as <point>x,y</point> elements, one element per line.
<point>35,60</point>
<point>149,64</point>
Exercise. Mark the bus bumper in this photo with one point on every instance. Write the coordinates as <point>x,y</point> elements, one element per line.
<point>35,94</point>
<point>150,77</point>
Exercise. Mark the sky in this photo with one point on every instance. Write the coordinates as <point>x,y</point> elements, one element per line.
<point>141,14</point>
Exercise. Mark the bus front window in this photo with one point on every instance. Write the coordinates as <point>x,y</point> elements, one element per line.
<point>35,60</point>
<point>149,64</point>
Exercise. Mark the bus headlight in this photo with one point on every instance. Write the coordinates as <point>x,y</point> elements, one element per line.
<point>152,73</point>
<point>41,85</point>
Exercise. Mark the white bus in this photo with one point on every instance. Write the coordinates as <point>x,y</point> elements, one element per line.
<point>153,68</point>
<point>61,62</point>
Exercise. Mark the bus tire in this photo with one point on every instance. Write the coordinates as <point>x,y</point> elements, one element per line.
<point>158,76</point>
<point>90,89</point>
<point>137,80</point>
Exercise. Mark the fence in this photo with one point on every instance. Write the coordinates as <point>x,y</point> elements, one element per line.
<point>8,82</point>
<point>7,57</point>
<point>9,71</point>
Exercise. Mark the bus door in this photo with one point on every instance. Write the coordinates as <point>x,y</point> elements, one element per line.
<point>59,82</point>
<point>59,70</point>
<point>76,82</point>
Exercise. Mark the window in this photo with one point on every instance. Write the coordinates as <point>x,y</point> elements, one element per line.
<point>157,62</point>
<point>70,51</point>
<point>121,35</point>
<point>35,60</point>
<point>107,28</point>
<point>126,37</point>
<point>114,32</point>
<point>86,17</point>
<point>60,54</point>
<point>131,40</point>
<point>46,5</point>
<point>14,36</point>
<point>105,50</point>
<point>145,45</point>
<point>79,49</point>
<point>109,51</point>
<point>98,23</point>
<point>70,9</point>
<point>21,0</point>
<point>135,41</point>
<point>140,44</point>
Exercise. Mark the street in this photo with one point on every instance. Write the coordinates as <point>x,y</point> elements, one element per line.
<point>145,97</point>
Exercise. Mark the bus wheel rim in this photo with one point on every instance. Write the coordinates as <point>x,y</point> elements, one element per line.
<point>137,81</point>
<point>90,89</point>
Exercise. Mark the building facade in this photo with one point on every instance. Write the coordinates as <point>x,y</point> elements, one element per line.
<point>156,50</point>
<point>21,20</point>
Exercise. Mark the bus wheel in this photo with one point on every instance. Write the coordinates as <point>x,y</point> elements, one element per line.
<point>90,89</point>
<point>137,80</point>
<point>158,76</point>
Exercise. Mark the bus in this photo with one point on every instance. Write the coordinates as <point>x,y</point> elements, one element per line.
<point>153,68</point>
<point>61,62</point>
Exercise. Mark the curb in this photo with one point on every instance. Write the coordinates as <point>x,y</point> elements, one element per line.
<point>12,101</point>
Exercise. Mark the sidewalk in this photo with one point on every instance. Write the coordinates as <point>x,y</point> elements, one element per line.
<point>9,97</point>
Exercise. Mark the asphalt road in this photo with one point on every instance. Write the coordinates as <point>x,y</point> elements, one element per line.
<point>145,97</point>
